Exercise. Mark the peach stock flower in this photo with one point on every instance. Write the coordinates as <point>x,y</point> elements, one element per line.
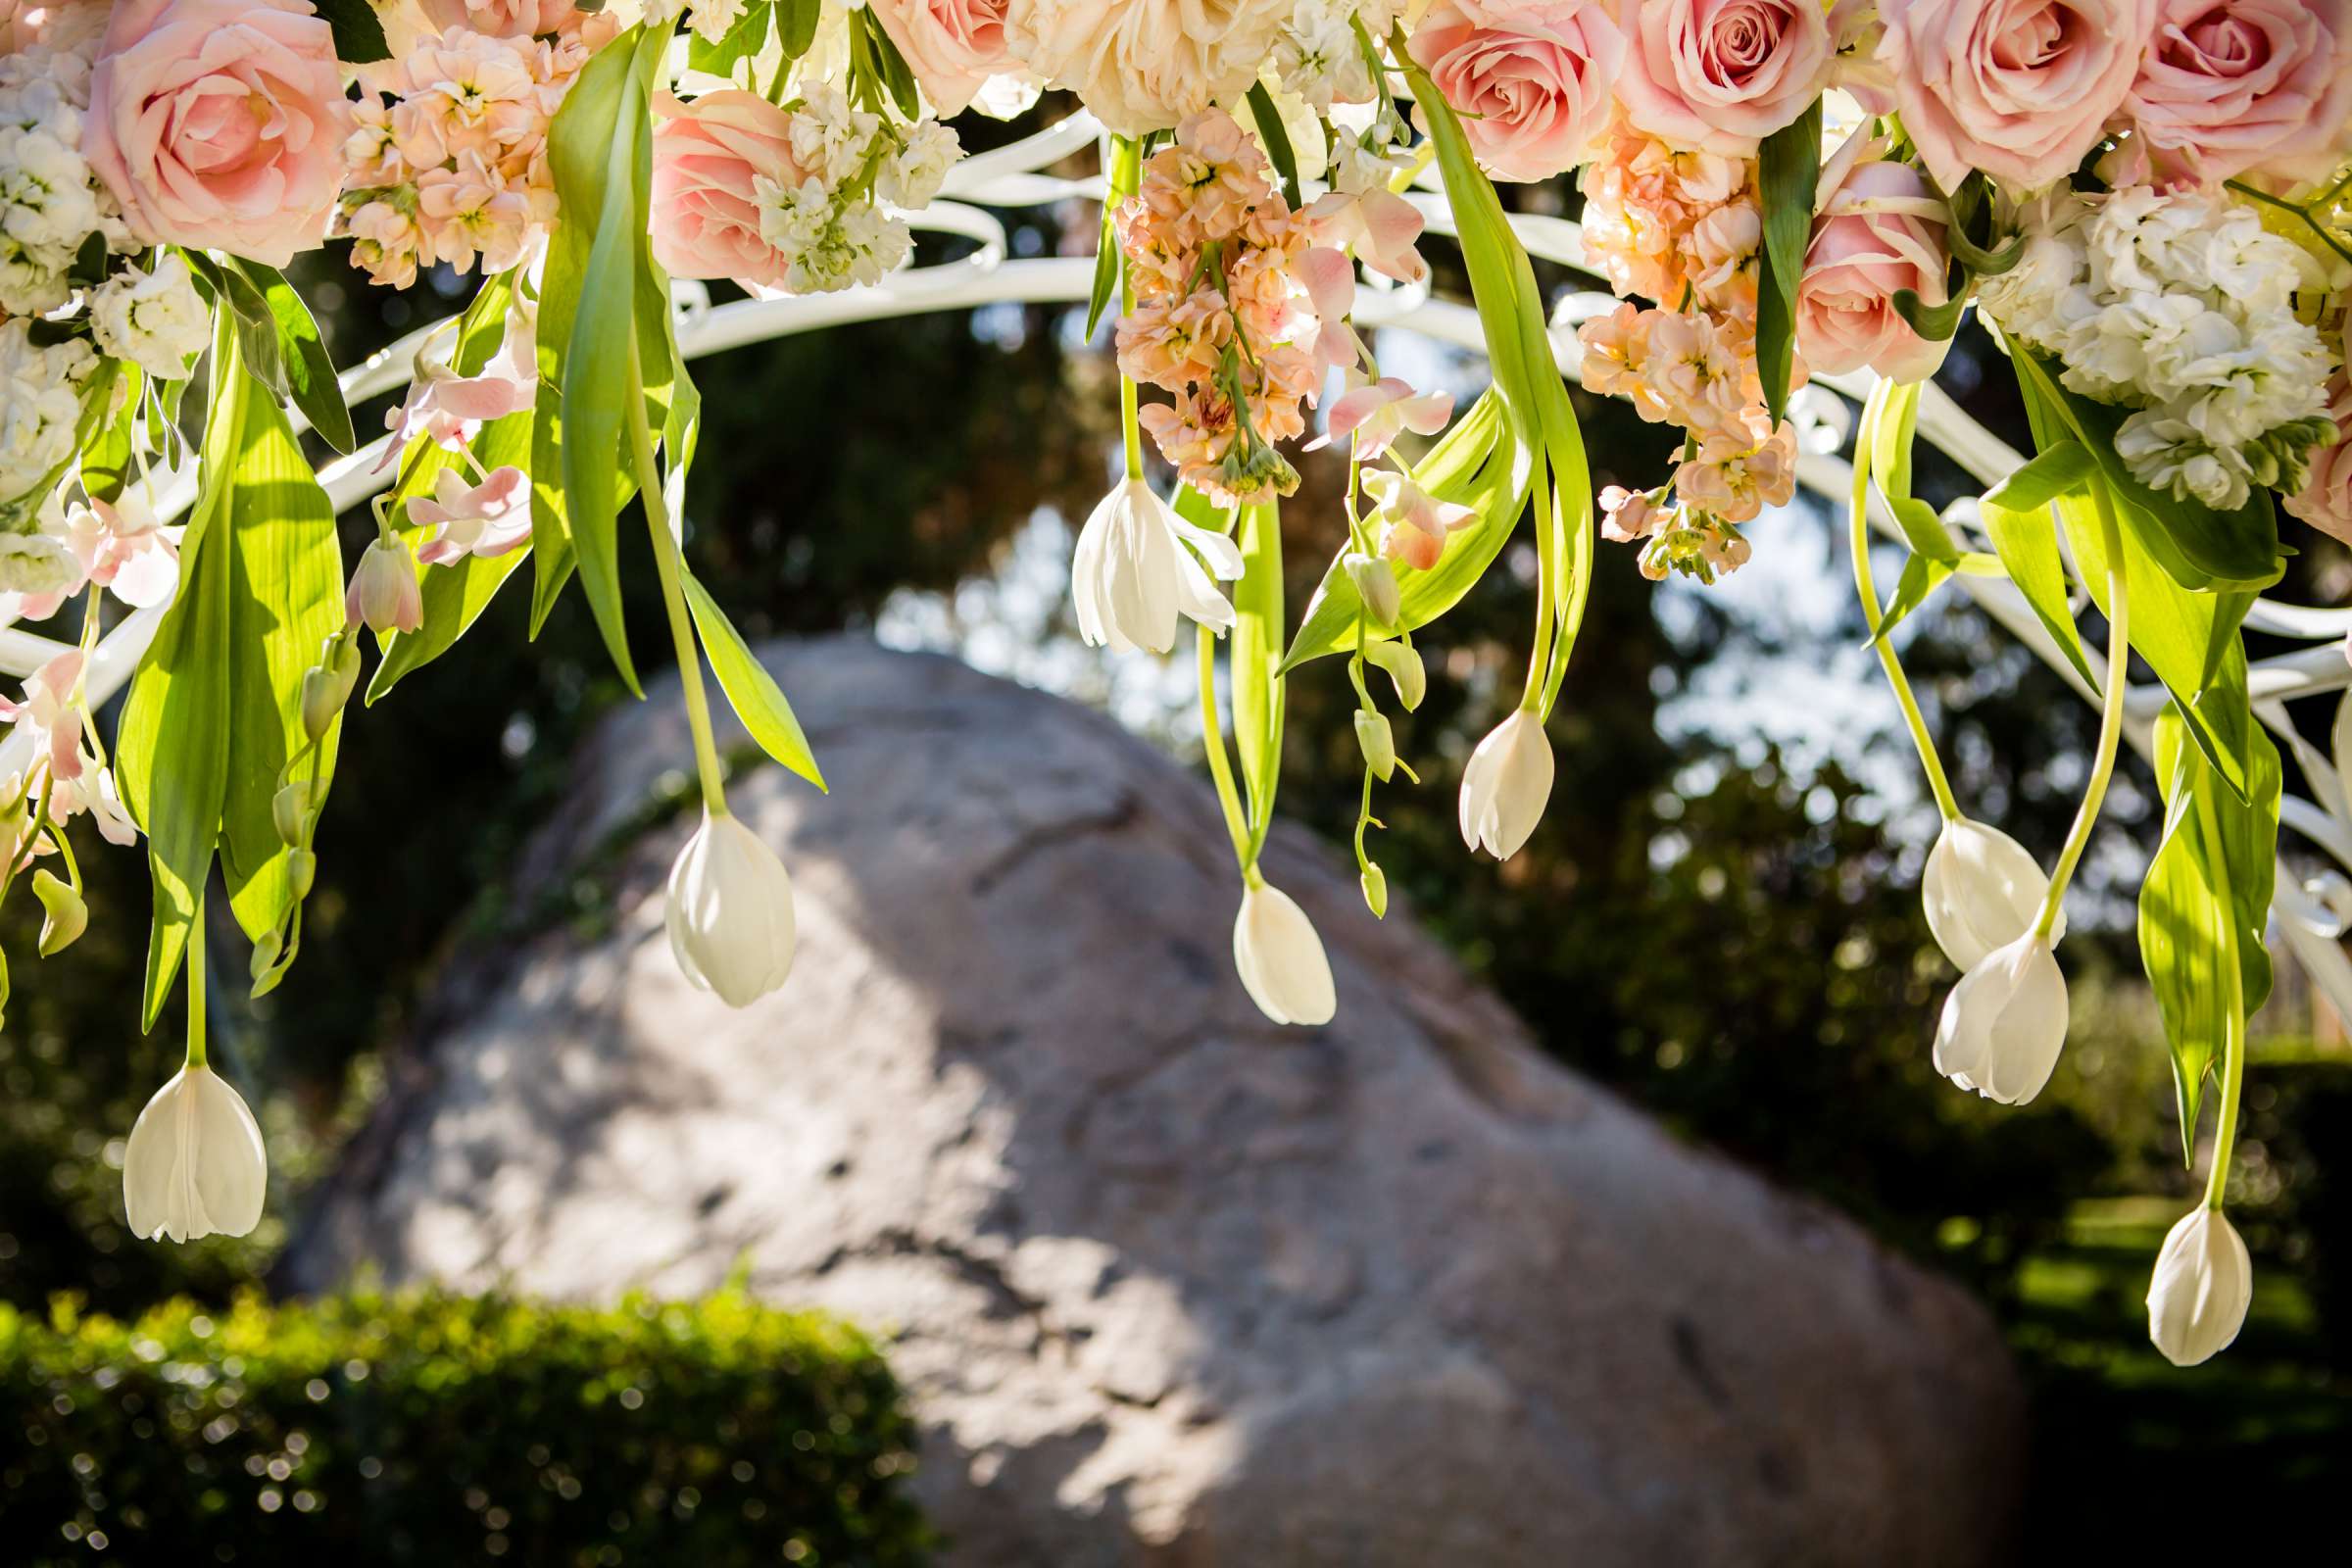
<point>1720,76</point>
<point>220,124</point>
<point>1531,79</point>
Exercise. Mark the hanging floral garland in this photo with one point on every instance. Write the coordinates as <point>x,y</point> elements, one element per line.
<point>2148,201</point>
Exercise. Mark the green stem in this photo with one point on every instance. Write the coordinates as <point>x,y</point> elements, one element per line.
<point>1220,767</point>
<point>2313,224</point>
<point>2234,1075</point>
<point>1126,177</point>
<point>2111,711</point>
<point>1871,616</point>
<point>671,568</point>
<point>196,973</point>
<point>1547,567</point>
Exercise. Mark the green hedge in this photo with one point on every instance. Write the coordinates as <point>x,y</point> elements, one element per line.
<point>435,1430</point>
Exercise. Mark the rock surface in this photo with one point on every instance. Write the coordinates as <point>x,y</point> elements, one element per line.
<point>1171,1286</point>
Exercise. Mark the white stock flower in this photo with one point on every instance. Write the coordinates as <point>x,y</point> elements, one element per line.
<point>1982,891</point>
<point>1281,959</point>
<point>1132,572</point>
<point>36,566</point>
<point>40,404</point>
<point>912,176</point>
<point>195,1165</point>
<point>828,137</point>
<point>1506,785</point>
<point>712,19</point>
<point>50,200</point>
<point>2004,1023</point>
<point>1316,55</point>
<point>154,320</point>
<point>731,919</point>
<point>2198,1294</point>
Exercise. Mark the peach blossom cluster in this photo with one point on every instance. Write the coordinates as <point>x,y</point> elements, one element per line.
<point>1674,226</point>
<point>448,160</point>
<point>1220,317</point>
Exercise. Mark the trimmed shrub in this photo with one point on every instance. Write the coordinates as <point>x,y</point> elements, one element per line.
<point>433,1429</point>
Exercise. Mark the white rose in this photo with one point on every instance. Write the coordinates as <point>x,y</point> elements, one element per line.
<point>1145,65</point>
<point>154,320</point>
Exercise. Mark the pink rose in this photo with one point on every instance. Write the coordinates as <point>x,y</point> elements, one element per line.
<point>2019,88</point>
<point>1530,77</point>
<point>499,19</point>
<point>2227,85</point>
<point>952,46</point>
<point>1720,76</point>
<point>1879,230</point>
<point>708,155</point>
<point>220,124</point>
<point>2325,499</point>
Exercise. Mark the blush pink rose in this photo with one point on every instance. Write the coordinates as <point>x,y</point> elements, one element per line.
<point>2019,88</point>
<point>1879,231</point>
<point>2325,499</point>
<point>1720,76</point>
<point>2229,85</point>
<point>953,46</point>
<point>220,124</point>
<point>708,157</point>
<point>1529,78</point>
<point>499,19</point>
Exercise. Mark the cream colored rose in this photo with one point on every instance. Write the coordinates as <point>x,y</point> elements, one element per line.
<point>1145,65</point>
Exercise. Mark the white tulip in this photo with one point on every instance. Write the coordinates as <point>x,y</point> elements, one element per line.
<point>1281,958</point>
<point>2004,1023</point>
<point>1982,889</point>
<point>1505,786</point>
<point>1132,572</point>
<point>730,913</point>
<point>2204,1281</point>
<point>195,1165</point>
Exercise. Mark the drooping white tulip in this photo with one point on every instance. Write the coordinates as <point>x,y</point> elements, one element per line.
<point>1982,889</point>
<point>2005,1022</point>
<point>730,913</point>
<point>1132,572</point>
<point>1506,785</point>
<point>1281,958</point>
<point>2198,1294</point>
<point>195,1165</point>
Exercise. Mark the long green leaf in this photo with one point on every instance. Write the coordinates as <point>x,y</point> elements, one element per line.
<point>1787,166</point>
<point>2027,542</point>
<point>305,366</point>
<point>750,690</point>
<point>2058,469</point>
<point>1256,647</point>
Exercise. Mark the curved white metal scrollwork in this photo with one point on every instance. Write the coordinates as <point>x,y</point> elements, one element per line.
<point>2313,915</point>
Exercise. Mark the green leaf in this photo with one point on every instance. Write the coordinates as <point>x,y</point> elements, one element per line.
<point>171,745</point>
<point>358,32</point>
<point>2061,468</point>
<point>795,26</point>
<point>1922,577</point>
<point>2197,547</point>
<point>1257,690</point>
<point>745,39</point>
<point>890,65</point>
<point>106,450</point>
<point>1934,323</point>
<point>300,353</point>
<point>2027,542</point>
<point>750,690</point>
<point>1788,166</point>
<point>1271,131</point>
<point>2205,903</point>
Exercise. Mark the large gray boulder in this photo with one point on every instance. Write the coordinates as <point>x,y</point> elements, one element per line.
<point>1169,1284</point>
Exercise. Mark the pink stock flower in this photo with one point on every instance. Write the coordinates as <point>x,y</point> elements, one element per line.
<point>1720,76</point>
<point>2021,89</point>
<point>2325,499</point>
<point>1879,230</point>
<point>486,520</point>
<point>1531,79</point>
<point>1171,343</point>
<point>449,408</point>
<point>220,124</point>
<point>1377,412</point>
<point>1378,225</point>
<point>1738,487</point>
<point>2232,85</point>
<point>125,549</point>
<point>953,46</point>
<point>55,720</point>
<point>1627,517</point>
<point>1330,280</point>
<point>706,155</point>
<point>1415,523</point>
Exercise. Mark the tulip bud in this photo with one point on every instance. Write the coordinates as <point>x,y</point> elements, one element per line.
<point>2004,1023</point>
<point>66,915</point>
<point>1376,585</point>
<point>290,809</point>
<point>1281,959</point>
<point>302,869</point>
<point>2204,1281</point>
<point>383,595</point>
<point>1505,786</point>
<point>730,917</point>
<point>1376,890</point>
<point>195,1165</point>
<point>266,948</point>
<point>326,686</point>
<point>1377,742</point>
<point>1982,891</point>
<point>1404,671</point>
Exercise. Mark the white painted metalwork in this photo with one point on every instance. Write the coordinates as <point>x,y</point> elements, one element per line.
<point>2313,913</point>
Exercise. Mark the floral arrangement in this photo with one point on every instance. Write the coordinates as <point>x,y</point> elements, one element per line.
<point>2148,202</point>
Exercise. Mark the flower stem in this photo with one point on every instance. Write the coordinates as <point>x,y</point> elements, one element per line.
<point>1547,570</point>
<point>2111,711</point>
<point>1868,590</point>
<point>671,570</point>
<point>2233,1072</point>
<point>1220,767</point>
<point>1126,177</point>
<point>196,1000</point>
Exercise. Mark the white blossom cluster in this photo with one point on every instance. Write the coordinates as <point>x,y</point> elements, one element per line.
<point>40,405</point>
<point>839,225</point>
<point>1319,56</point>
<point>154,319</point>
<point>2182,307</point>
<point>50,200</point>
